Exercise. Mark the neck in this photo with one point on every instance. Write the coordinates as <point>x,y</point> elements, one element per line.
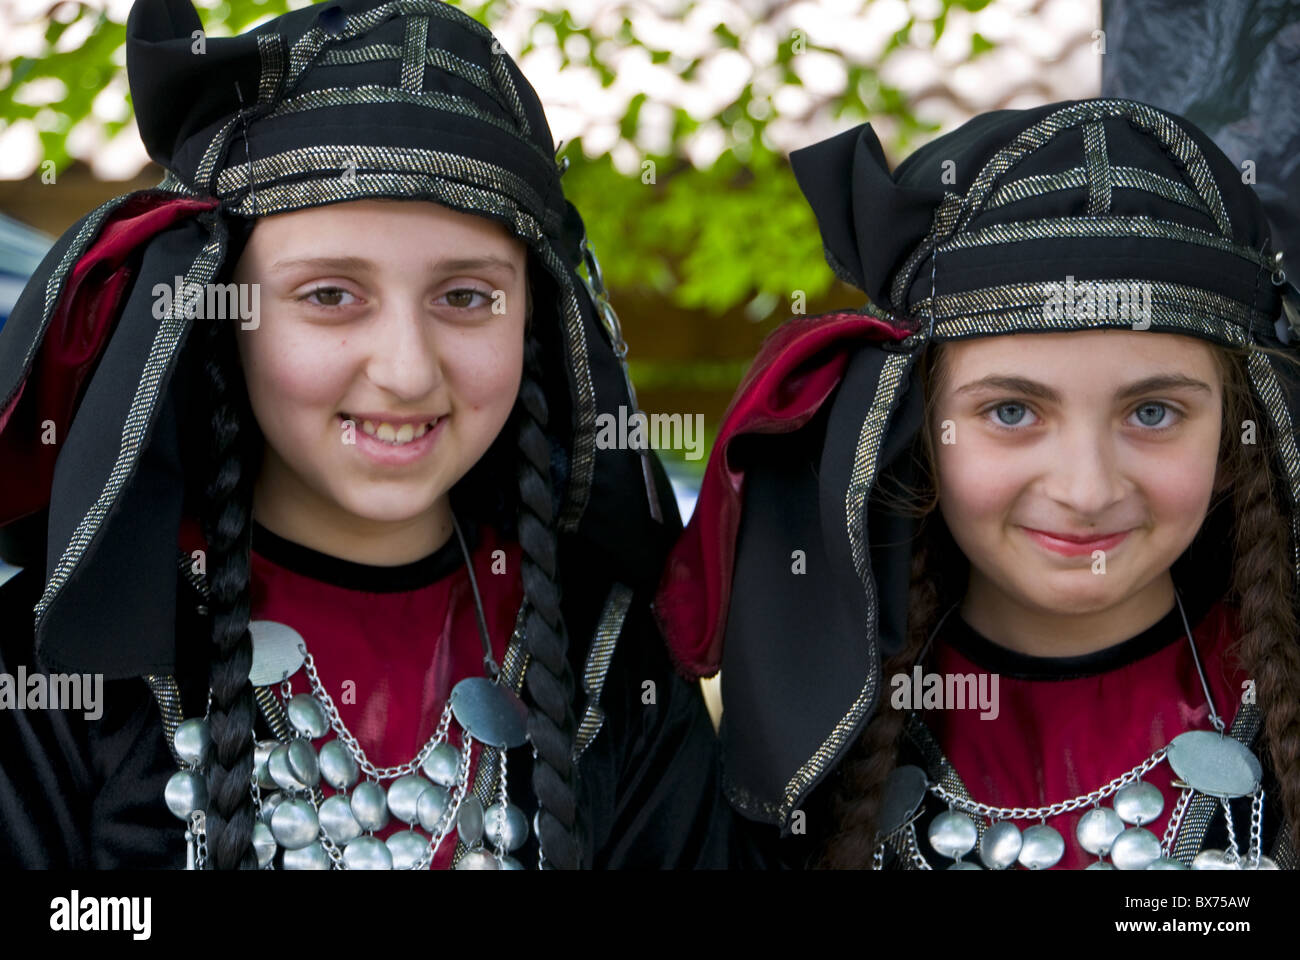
<point>1040,632</point>
<point>295,512</point>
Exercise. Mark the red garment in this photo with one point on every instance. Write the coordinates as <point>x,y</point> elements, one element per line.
<point>1054,739</point>
<point>404,637</point>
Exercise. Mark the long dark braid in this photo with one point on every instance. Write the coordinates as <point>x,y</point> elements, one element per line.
<point>227,514</point>
<point>551,723</point>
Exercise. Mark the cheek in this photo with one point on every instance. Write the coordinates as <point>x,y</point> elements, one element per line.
<point>975,481</point>
<point>485,372</point>
<point>291,377</point>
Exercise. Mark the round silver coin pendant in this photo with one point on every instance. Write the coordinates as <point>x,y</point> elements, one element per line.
<point>1100,865</point>
<point>264,844</point>
<point>303,763</point>
<point>1214,764</point>
<point>1000,845</point>
<point>1139,803</point>
<point>1213,860</point>
<point>186,792</point>
<point>1098,829</point>
<point>1042,847</point>
<point>294,824</point>
<point>307,716</point>
<point>469,821</point>
<point>192,741</point>
<point>269,802</point>
<point>367,853</point>
<point>431,807</point>
<point>404,797</point>
<point>490,712</point>
<point>965,865</point>
<point>261,755</point>
<point>276,656</point>
<point>1135,849</point>
<point>337,821</point>
<point>507,826</point>
<point>337,767</point>
<point>310,857</point>
<point>1166,863</point>
<point>478,860</point>
<point>278,764</point>
<point>441,764</point>
<point>407,847</point>
<point>953,834</point>
<point>370,806</point>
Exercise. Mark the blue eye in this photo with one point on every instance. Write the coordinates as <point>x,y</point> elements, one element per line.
<point>1159,410</point>
<point>1018,412</point>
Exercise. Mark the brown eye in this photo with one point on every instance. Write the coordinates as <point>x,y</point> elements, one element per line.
<point>463,298</point>
<point>326,296</point>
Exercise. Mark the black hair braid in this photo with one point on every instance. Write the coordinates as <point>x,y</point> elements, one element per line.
<point>227,529</point>
<point>551,724</point>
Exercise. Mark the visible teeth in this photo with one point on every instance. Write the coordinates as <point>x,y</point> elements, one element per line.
<point>395,435</point>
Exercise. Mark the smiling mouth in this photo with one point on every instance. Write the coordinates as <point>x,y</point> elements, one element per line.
<point>392,434</point>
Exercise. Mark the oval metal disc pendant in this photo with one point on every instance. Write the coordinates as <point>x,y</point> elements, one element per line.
<point>294,824</point>
<point>1042,847</point>
<point>431,807</point>
<point>904,791</point>
<point>370,806</point>
<point>1165,863</point>
<point>276,656</point>
<point>965,865</point>
<point>269,802</point>
<point>303,763</point>
<point>1098,829</point>
<point>192,741</point>
<point>953,834</point>
<point>404,798</point>
<point>469,821</point>
<point>310,857</point>
<point>1217,765</point>
<point>278,764</point>
<point>1139,803</point>
<point>1135,849</point>
<point>186,792</point>
<point>490,713</point>
<point>337,766</point>
<point>478,860</point>
<point>1000,845</point>
<point>1212,860</point>
<point>307,716</point>
<point>509,829</point>
<point>337,821</point>
<point>441,764</point>
<point>367,853</point>
<point>264,844</point>
<point>406,847</point>
<point>261,754</point>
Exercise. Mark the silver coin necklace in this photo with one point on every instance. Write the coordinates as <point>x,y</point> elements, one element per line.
<point>430,793</point>
<point>1208,762</point>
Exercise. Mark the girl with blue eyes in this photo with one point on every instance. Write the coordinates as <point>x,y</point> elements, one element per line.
<point>329,522</point>
<point>1001,570</point>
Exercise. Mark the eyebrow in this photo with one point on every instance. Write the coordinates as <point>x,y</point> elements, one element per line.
<point>362,265</point>
<point>1041,391</point>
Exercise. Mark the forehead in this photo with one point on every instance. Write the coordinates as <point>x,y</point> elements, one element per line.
<point>396,223</point>
<point>1086,357</point>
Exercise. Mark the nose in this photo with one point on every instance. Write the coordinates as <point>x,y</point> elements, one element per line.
<point>1085,474</point>
<point>404,357</point>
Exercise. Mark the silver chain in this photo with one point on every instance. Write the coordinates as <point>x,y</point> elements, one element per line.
<point>1039,813</point>
<point>1234,854</point>
<point>1175,820</point>
<point>350,742</point>
<point>1256,825</point>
